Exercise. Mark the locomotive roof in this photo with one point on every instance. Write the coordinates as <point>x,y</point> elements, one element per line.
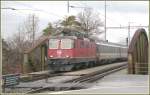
<point>111,44</point>
<point>69,37</point>
<point>58,37</point>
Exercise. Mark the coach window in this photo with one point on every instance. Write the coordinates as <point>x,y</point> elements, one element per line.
<point>110,49</point>
<point>97,48</point>
<point>116,49</point>
<point>113,50</point>
<point>102,49</point>
<point>106,49</point>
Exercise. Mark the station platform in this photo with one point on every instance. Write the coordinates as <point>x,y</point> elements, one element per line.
<point>116,84</point>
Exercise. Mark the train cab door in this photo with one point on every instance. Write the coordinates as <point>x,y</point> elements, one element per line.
<point>97,53</point>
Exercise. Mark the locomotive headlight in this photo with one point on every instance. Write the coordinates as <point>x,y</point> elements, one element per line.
<point>51,56</point>
<point>67,56</point>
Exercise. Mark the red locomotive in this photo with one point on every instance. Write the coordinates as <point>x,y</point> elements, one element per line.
<point>69,52</point>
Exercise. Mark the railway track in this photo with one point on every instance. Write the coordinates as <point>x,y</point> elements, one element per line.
<point>47,74</point>
<point>98,74</point>
<point>80,82</point>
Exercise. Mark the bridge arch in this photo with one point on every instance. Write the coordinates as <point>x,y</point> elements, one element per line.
<point>138,53</point>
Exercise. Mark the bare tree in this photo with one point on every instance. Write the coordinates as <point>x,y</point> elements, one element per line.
<point>21,40</point>
<point>90,21</point>
<point>14,56</point>
<point>31,27</point>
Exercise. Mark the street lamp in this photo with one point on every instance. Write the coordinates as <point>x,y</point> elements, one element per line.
<point>68,5</point>
<point>79,7</point>
<point>9,8</point>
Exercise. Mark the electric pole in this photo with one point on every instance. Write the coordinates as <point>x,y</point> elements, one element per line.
<point>68,6</point>
<point>105,20</point>
<point>33,25</point>
<point>128,33</point>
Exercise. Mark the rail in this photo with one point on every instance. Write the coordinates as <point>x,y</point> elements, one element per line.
<point>81,82</point>
<point>99,74</point>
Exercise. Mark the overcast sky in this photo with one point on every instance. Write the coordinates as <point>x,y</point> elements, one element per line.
<point>118,13</point>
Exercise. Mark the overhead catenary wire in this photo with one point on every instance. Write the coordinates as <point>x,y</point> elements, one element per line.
<point>118,12</point>
<point>36,9</point>
<point>50,13</point>
<point>113,21</point>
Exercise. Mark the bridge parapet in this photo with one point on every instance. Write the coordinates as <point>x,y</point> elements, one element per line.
<point>34,57</point>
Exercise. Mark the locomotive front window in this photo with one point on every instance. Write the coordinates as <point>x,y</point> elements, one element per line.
<point>53,43</point>
<point>66,43</point>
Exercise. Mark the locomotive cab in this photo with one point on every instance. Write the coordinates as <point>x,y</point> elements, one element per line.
<point>60,52</point>
<point>60,48</point>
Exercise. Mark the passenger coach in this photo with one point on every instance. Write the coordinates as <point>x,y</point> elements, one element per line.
<point>110,52</point>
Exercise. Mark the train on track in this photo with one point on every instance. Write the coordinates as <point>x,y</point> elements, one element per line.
<point>67,53</point>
